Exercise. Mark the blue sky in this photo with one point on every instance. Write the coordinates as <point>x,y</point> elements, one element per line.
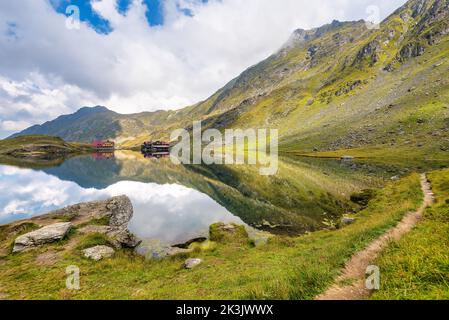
<point>154,13</point>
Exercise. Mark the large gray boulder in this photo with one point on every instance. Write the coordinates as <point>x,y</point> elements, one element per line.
<point>47,234</point>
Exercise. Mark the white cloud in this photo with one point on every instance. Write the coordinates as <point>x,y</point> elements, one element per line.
<point>10,125</point>
<point>47,69</point>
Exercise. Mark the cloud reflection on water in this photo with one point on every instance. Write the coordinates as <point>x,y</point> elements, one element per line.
<point>169,212</point>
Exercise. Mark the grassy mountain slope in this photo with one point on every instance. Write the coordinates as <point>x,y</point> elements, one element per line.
<point>35,145</point>
<point>339,86</point>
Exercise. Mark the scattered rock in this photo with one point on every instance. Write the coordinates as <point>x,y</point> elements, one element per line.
<point>98,252</point>
<point>394,178</point>
<point>192,263</point>
<point>47,234</point>
<point>347,220</point>
<point>347,158</point>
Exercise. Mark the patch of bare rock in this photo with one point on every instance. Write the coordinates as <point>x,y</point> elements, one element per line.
<point>98,252</point>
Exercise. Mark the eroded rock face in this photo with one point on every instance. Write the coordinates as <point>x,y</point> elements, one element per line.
<point>47,234</point>
<point>98,252</point>
<point>411,50</point>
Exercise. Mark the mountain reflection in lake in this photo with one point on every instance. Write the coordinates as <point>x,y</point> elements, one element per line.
<point>171,213</point>
<point>175,203</point>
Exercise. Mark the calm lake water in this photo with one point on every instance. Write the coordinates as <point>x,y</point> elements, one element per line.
<point>177,203</point>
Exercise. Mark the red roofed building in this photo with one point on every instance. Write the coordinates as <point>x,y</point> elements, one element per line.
<point>100,145</point>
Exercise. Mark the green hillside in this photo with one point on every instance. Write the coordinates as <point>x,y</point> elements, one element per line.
<point>39,150</point>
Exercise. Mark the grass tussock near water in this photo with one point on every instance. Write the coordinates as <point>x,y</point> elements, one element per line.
<point>417,267</point>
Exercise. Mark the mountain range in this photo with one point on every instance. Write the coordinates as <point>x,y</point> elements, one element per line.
<point>344,85</point>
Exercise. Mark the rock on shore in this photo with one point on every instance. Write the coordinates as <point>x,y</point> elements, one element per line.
<point>47,234</point>
<point>116,211</point>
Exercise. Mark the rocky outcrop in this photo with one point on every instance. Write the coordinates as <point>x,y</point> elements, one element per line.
<point>370,51</point>
<point>98,252</point>
<point>348,87</point>
<point>118,211</point>
<point>47,234</point>
<point>114,215</point>
<point>410,50</point>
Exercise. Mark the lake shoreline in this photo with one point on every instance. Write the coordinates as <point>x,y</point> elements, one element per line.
<point>216,268</point>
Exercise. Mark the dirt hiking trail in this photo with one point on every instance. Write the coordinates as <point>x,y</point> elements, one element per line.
<point>354,270</point>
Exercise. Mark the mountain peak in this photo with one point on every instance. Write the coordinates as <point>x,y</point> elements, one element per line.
<point>301,35</point>
<point>89,110</point>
